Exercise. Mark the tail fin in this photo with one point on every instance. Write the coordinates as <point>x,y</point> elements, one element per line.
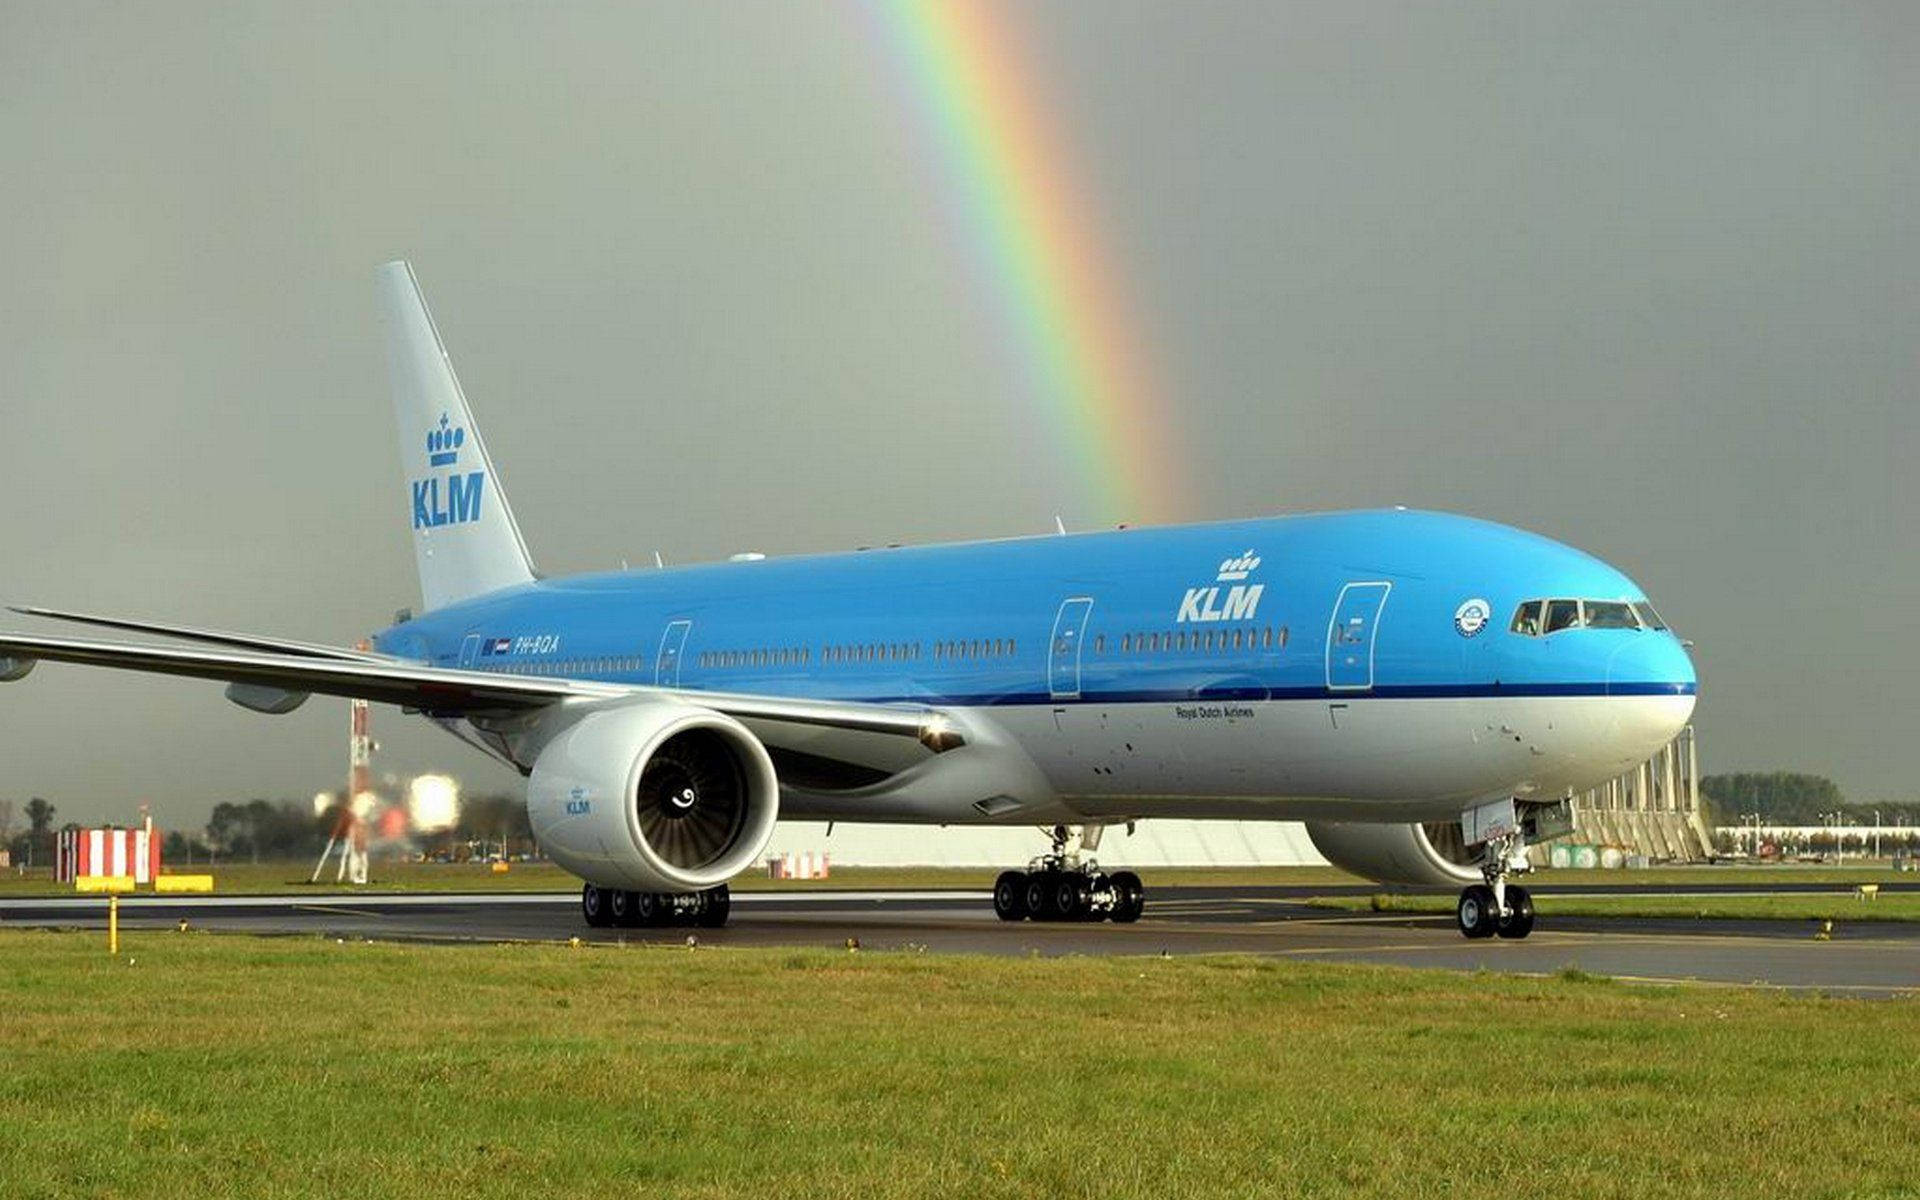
<point>465,540</point>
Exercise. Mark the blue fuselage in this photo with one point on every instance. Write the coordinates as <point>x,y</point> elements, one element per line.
<point>1369,604</point>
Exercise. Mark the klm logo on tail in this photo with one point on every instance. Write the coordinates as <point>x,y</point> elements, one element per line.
<point>1241,602</point>
<point>453,498</point>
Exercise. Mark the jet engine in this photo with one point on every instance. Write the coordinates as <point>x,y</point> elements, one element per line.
<point>1428,854</point>
<point>654,797</point>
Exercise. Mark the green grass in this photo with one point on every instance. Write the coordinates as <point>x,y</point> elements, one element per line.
<point>1788,906</point>
<point>199,1065</point>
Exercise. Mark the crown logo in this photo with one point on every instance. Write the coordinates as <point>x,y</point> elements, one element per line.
<point>443,444</point>
<point>1239,568</point>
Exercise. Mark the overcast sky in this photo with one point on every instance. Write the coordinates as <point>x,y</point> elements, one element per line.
<point>1640,277</point>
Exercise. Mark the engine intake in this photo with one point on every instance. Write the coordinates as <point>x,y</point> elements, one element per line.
<point>654,798</point>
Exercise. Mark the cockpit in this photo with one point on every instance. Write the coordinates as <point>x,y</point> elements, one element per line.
<point>1538,618</point>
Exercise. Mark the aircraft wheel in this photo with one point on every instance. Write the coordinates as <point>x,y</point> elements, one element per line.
<point>1130,897</point>
<point>1476,913</point>
<point>649,909</point>
<point>715,904</point>
<point>620,908</point>
<point>1519,922</point>
<point>1067,898</point>
<point>1010,896</point>
<point>1039,895</point>
<point>593,906</point>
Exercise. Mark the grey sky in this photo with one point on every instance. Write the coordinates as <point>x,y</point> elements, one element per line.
<point>1640,277</point>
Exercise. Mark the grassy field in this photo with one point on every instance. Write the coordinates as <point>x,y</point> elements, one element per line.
<point>262,878</point>
<point>197,1065</point>
<point>1839,905</point>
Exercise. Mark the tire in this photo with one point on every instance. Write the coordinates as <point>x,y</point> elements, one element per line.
<point>593,906</point>
<point>1039,892</point>
<point>1519,922</point>
<point>1130,898</point>
<point>620,909</point>
<point>649,909</point>
<point>715,905</point>
<point>1067,899</point>
<point>1476,913</point>
<point>1010,896</point>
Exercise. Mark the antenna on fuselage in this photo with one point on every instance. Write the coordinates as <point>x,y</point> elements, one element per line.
<point>1059,526</point>
<point>659,562</point>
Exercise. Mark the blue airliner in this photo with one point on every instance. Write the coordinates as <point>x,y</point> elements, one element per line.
<point>1424,690</point>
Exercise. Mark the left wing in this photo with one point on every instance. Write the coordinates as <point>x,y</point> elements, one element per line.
<point>443,691</point>
<point>212,637</point>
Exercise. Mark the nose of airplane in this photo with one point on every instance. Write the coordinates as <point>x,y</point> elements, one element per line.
<point>1654,667</point>
<point>1650,663</point>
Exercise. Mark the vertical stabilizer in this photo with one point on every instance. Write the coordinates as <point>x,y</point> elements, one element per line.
<point>465,540</point>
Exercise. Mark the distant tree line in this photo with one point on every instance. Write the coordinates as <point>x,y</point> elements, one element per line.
<point>1791,798</point>
<point>260,830</point>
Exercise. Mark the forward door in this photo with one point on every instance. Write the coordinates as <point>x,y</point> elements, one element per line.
<point>1350,636</point>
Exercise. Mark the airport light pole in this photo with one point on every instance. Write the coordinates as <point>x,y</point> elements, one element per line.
<point>1752,818</point>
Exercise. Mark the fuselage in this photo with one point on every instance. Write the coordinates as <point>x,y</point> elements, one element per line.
<point>1360,665</point>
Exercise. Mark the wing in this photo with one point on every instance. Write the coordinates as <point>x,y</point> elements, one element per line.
<point>214,637</point>
<point>443,691</point>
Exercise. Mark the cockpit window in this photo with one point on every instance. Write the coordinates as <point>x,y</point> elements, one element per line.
<point>1526,619</point>
<point>1610,614</point>
<point>1536,617</point>
<point>1562,614</point>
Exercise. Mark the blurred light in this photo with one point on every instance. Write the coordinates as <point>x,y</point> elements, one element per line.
<point>364,803</point>
<point>322,801</point>
<point>433,801</point>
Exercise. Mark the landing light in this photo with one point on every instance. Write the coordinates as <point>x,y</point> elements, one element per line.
<point>938,734</point>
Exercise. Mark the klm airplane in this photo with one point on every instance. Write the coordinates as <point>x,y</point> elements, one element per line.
<point>1423,690</point>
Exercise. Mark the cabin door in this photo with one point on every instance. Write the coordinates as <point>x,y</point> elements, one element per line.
<point>1356,620</point>
<point>666,665</point>
<point>1063,651</point>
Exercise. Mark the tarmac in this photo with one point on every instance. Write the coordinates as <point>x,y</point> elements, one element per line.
<point>1868,958</point>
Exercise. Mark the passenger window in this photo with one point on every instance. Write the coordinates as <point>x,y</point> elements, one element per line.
<point>1526,619</point>
<point>1562,614</point>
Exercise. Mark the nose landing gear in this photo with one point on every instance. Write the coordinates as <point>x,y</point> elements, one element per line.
<point>1502,829</point>
<point>1063,886</point>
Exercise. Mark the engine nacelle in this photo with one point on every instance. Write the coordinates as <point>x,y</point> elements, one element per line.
<point>654,798</point>
<point>1429,854</point>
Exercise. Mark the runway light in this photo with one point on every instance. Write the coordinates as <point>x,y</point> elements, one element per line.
<point>322,801</point>
<point>364,803</point>
<point>433,802</point>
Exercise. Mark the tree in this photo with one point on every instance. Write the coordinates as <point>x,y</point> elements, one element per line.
<point>39,831</point>
<point>1780,797</point>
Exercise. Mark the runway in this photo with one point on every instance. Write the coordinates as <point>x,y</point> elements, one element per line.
<point>1864,957</point>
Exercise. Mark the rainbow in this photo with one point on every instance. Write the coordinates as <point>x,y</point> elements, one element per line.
<point>1008,183</point>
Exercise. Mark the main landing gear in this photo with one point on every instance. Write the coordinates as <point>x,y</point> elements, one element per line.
<point>605,907</point>
<point>1059,886</point>
<point>1502,829</point>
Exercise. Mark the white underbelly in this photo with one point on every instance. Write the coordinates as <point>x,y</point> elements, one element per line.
<point>1295,756</point>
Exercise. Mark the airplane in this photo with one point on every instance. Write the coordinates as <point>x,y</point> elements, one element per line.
<point>1426,691</point>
